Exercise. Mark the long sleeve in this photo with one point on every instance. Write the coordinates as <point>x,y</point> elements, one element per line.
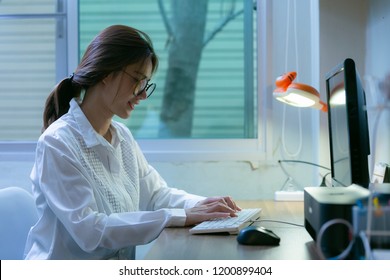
<point>69,195</point>
<point>94,200</point>
<point>156,194</point>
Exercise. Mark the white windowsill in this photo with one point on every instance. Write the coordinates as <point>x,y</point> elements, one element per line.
<point>165,150</point>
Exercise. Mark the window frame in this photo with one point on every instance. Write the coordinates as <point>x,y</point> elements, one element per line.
<point>253,150</point>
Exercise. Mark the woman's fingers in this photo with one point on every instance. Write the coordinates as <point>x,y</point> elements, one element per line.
<point>231,203</point>
<point>226,200</point>
<point>211,208</point>
<point>199,214</point>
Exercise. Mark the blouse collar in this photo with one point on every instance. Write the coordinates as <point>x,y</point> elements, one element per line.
<point>90,136</point>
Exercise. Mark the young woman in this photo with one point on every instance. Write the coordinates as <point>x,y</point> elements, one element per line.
<point>96,194</point>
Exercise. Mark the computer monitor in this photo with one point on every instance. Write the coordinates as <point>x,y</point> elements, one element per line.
<point>348,126</point>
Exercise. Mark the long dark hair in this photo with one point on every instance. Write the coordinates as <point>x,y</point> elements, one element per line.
<point>111,50</point>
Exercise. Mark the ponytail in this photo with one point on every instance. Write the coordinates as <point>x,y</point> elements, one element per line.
<point>57,104</point>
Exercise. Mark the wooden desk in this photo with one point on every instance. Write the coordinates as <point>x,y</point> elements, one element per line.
<point>295,244</point>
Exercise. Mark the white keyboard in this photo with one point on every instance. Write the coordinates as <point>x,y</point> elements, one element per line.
<point>230,225</point>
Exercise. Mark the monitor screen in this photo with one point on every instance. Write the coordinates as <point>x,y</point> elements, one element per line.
<point>348,126</point>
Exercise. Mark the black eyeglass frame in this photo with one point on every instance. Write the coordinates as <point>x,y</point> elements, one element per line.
<point>148,88</point>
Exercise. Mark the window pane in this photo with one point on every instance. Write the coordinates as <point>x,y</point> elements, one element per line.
<point>218,106</point>
<point>27,6</point>
<point>28,72</point>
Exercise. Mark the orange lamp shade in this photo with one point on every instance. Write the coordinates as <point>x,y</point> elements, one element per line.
<point>297,94</point>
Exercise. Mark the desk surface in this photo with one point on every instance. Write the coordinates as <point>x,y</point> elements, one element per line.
<point>295,243</point>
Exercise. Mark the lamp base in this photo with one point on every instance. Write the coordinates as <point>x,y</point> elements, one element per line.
<point>289,196</point>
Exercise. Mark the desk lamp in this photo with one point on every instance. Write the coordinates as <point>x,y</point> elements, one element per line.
<point>296,94</point>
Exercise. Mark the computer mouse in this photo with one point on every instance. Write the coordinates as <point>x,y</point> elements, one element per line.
<point>256,235</point>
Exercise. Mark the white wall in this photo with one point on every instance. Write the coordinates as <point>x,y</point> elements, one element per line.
<point>342,35</point>
<point>377,68</point>
<point>357,29</point>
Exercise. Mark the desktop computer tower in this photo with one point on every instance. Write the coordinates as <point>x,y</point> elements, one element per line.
<point>323,204</point>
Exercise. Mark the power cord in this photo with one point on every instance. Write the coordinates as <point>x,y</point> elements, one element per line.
<point>276,221</point>
<point>323,181</point>
<point>366,245</point>
<point>304,162</point>
<point>325,227</point>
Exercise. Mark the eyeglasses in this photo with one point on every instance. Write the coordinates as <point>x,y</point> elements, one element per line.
<point>142,85</point>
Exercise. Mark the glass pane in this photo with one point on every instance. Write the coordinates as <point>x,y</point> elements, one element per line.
<point>27,75</point>
<point>27,6</point>
<point>28,65</point>
<point>201,95</point>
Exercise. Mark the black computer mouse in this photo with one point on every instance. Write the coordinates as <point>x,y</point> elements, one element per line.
<point>255,235</point>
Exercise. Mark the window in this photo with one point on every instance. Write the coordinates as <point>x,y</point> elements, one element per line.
<point>33,35</point>
<point>222,116</point>
<point>206,91</point>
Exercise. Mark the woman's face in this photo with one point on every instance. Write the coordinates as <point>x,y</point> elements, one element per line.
<point>121,99</point>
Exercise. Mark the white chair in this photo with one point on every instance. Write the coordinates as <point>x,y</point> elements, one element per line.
<point>18,214</point>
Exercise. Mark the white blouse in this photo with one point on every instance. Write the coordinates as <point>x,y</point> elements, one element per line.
<point>97,200</point>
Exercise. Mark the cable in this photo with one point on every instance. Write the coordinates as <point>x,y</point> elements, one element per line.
<point>289,178</point>
<point>276,221</point>
<point>321,232</point>
<point>299,149</point>
<point>366,245</point>
<point>305,162</point>
<point>291,154</point>
<point>323,182</point>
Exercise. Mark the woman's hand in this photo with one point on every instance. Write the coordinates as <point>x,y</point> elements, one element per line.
<point>211,208</point>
